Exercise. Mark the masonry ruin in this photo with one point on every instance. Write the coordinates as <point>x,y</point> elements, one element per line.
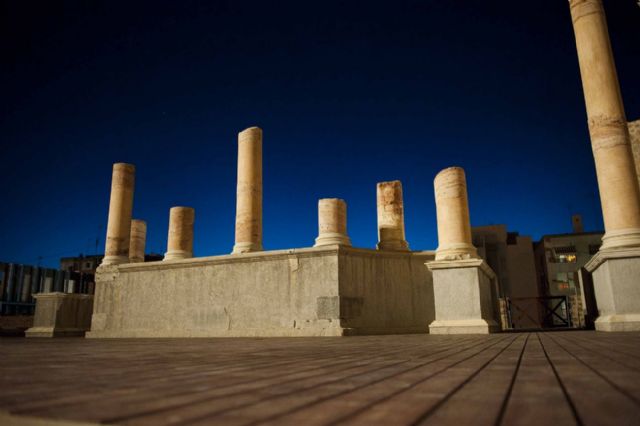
<point>334,289</point>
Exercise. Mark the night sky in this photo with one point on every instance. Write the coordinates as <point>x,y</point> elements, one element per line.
<point>348,93</point>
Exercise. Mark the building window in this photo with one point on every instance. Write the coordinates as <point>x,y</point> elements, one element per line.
<point>564,281</point>
<point>593,248</point>
<point>87,265</point>
<point>563,255</point>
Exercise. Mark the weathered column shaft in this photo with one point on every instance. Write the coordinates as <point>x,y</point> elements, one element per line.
<point>452,210</point>
<point>332,222</point>
<point>615,167</point>
<point>120,208</point>
<point>391,235</point>
<point>180,239</point>
<point>138,240</point>
<point>634,134</point>
<point>249,193</point>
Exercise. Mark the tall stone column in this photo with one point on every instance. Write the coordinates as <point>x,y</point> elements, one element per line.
<point>464,286</point>
<point>180,239</point>
<point>615,167</point>
<point>332,223</point>
<point>616,267</point>
<point>452,210</point>
<point>138,240</point>
<point>634,133</point>
<point>120,207</point>
<point>249,195</point>
<point>391,234</point>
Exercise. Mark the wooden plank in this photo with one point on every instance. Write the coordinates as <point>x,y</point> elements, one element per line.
<point>408,405</point>
<point>618,374</point>
<point>373,380</point>
<point>283,395</point>
<point>595,400</point>
<point>483,399</point>
<point>537,396</point>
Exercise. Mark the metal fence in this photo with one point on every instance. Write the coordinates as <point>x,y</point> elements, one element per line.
<point>18,284</point>
<point>538,312</point>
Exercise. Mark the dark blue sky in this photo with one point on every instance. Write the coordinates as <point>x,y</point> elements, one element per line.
<point>348,93</point>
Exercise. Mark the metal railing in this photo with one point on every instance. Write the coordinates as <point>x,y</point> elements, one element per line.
<point>539,312</point>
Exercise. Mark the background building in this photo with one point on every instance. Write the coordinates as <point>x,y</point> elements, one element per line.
<point>511,258</point>
<point>560,261</point>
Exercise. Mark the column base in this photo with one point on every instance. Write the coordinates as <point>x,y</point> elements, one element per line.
<point>177,254</point>
<point>460,251</point>
<point>629,322</point>
<point>463,327</point>
<point>114,260</point>
<point>393,245</point>
<point>465,297</point>
<point>616,282</point>
<point>246,248</point>
<point>331,239</point>
<point>61,315</point>
<point>620,239</point>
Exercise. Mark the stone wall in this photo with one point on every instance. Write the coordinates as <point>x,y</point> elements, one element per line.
<point>303,292</point>
<point>385,292</point>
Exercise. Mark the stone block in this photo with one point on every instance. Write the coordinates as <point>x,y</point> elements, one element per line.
<point>61,315</point>
<point>321,291</point>
<point>465,297</point>
<point>616,282</point>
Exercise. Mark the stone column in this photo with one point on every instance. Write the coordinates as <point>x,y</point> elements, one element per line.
<point>615,167</point>
<point>616,267</point>
<point>249,195</point>
<point>452,210</point>
<point>464,286</point>
<point>120,207</point>
<point>138,240</point>
<point>391,234</point>
<point>634,133</point>
<point>332,223</point>
<point>180,240</point>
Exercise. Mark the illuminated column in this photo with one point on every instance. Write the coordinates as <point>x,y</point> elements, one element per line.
<point>332,223</point>
<point>452,211</point>
<point>249,195</point>
<point>616,267</point>
<point>615,167</point>
<point>138,240</point>
<point>634,133</point>
<point>390,216</point>
<point>120,207</point>
<point>180,239</point>
<point>464,286</point>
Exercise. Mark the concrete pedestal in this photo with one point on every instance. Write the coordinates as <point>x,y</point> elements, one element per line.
<point>616,281</point>
<point>61,315</point>
<point>465,297</point>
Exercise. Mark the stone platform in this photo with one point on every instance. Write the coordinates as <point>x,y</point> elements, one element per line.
<point>321,291</point>
<point>553,378</point>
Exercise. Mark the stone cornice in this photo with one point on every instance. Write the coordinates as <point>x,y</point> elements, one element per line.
<point>260,256</point>
<point>464,263</point>
<point>604,255</point>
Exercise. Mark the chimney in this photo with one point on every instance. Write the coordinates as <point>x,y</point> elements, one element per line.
<point>576,222</point>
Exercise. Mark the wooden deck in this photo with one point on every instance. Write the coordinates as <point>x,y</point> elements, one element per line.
<point>554,378</point>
